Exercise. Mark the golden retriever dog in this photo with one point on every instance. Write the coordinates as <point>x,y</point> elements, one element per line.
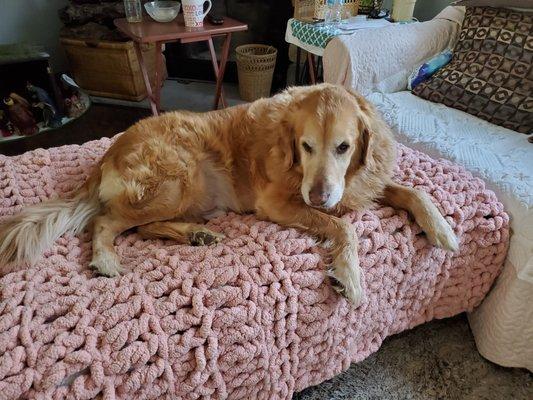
<point>300,159</point>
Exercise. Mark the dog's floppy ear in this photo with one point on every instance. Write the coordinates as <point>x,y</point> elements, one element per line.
<point>287,146</point>
<point>284,147</point>
<point>366,142</point>
<point>272,116</point>
<point>367,125</point>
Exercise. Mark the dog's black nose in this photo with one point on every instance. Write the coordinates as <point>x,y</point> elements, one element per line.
<point>317,195</point>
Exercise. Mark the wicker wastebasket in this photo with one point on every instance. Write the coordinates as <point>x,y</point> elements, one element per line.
<point>255,66</point>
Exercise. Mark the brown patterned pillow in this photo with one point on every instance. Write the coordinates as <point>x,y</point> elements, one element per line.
<point>490,75</point>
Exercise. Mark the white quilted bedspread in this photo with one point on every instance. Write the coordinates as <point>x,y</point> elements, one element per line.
<point>503,325</point>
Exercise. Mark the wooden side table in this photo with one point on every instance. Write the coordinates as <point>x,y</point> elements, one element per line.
<point>150,31</point>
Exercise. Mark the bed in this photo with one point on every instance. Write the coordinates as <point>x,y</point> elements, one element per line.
<point>251,317</point>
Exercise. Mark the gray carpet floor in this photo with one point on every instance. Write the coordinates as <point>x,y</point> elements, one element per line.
<point>435,361</point>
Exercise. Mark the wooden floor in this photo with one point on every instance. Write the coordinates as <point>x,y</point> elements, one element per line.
<point>99,121</point>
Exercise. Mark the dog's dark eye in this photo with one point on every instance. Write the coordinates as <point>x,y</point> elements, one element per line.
<point>341,148</point>
<point>307,148</point>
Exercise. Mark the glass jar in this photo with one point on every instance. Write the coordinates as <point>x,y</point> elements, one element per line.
<point>334,12</point>
<point>133,10</point>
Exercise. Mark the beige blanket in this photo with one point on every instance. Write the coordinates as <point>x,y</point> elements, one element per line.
<point>381,59</point>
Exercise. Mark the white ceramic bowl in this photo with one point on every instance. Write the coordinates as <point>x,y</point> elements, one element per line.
<point>162,11</point>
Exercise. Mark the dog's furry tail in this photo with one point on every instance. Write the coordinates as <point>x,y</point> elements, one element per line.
<point>27,235</point>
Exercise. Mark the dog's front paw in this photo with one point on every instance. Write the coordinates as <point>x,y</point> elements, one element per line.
<point>346,280</point>
<point>441,234</point>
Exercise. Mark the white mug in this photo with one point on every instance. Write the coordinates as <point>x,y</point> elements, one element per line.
<point>193,12</point>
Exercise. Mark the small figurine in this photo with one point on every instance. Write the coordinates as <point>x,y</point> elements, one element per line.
<point>74,106</point>
<point>47,114</point>
<point>39,95</point>
<point>37,112</point>
<point>43,106</point>
<point>19,100</point>
<point>74,103</point>
<point>6,127</point>
<point>21,117</point>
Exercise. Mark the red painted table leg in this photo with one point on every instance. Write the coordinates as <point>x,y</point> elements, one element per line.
<point>158,74</point>
<point>221,69</point>
<point>312,72</point>
<point>216,70</point>
<point>153,104</point>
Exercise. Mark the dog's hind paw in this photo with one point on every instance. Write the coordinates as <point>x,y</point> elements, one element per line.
<point>106,264</point>
<point>204,237</point>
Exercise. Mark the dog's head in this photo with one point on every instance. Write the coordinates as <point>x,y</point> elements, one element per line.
<point>328,136</point>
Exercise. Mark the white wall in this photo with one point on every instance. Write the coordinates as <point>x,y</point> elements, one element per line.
<point>427,9</point>
<point>37,22</point>
<point>424,9</point>
<point>33,22</point>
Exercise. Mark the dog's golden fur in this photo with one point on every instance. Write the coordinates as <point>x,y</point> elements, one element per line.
<point>273,157</point>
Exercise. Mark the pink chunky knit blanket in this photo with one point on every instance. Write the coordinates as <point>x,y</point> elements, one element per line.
<point>253,317</point>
